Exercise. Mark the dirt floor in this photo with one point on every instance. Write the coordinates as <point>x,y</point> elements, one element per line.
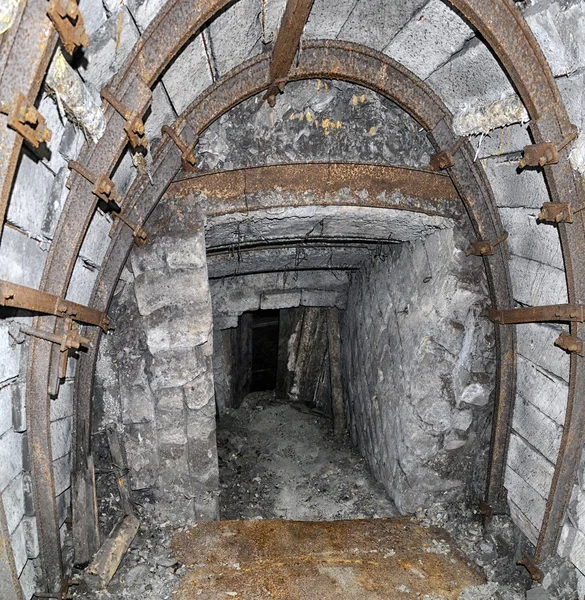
<point>282,461</point>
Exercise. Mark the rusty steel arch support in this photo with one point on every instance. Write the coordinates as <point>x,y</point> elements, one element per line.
<point>355,64</point>
<point>508,35</point>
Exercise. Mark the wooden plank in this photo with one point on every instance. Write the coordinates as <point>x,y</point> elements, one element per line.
<point>120,468</point>
<point>337,401</point>
<point>528,501</point>
<point>108,557</point>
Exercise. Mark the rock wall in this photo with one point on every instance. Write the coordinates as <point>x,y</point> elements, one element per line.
<point>419,370</point>
<point>155,375</point>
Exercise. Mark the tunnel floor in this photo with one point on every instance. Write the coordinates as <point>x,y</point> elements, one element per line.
<point>281,461</point>
<point>379,559</point>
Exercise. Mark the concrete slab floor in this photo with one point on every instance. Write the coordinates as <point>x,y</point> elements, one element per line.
<point>370,559</point>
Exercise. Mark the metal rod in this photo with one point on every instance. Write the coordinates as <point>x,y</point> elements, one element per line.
<point>565,313</point>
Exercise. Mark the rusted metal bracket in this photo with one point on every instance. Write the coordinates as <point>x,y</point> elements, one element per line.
<point>567,313</point>
<point>535,573</point>
<point>134,127</point>
<point>485,247</point>
<point>104,187</point>
<point>139,234</point>
<point>68,22</point>
<point>445,159</point>
<point>545,153</point>
<point>20,296</point>
<point>187,152</point>
<point>70,339</point>
<point>570,343</point>
<point>26,120</point>
<point>557,212</point>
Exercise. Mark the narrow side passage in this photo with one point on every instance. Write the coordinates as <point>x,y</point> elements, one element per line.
<point>282,461</point>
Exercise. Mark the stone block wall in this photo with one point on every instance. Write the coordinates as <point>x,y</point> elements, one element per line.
<point>155,375</point>
<point>418,365</point>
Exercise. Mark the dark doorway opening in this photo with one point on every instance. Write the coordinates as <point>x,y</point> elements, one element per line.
<point>265,329</point>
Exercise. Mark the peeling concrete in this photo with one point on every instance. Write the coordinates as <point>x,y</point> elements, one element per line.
<point>483,119</point>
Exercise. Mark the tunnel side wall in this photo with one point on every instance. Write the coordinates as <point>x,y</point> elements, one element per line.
<point>418,366</point>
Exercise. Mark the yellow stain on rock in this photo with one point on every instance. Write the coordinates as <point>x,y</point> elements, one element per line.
<point>309,117</point>
<point>372,130</point>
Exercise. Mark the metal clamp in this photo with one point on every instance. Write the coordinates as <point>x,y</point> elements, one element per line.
<point>68,22</point>
<point>104,187</point>
<point>535,573</point>
<point>545,153</point>
<point>68,340</point>
<point>277,87</point>
<point>139,234</point>
<point>485,248</point>
<point>26,120</point>
<point>134,127</point>
<point>445,158</point>
<point>187,153</point>
<point>570,343</point>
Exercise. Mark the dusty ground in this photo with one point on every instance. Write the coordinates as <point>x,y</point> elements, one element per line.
<point>282,461</point>
<point>279,461</point>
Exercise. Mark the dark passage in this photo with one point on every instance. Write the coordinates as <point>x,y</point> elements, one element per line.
<point>265,326</point>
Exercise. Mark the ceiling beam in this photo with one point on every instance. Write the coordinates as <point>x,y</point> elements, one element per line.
<point>287,42</point>
<point>321,184</point>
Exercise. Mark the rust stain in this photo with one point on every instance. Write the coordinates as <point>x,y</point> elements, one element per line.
<point>293,560</point>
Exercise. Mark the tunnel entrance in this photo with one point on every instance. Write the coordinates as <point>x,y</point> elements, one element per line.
<point>265,325</point>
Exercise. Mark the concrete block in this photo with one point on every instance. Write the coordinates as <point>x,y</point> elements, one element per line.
<point>18,543</point>
<point>429,39</point>
<point>185,252</point>
<point>9,354</point>
<point>28,209</point>
<point>173,327</point>
<point>191,65</point>
<point>472,78</point>
<point>323,298</point>
<point>170,417</point>
<point>501,141</point>
<point>18,406</point>
<point>27,485</point>
<point>535,284</point>
<point>158,289</point>
<point>532,424</point>
<point>142,453</point>
<point>137,401</point>
<point>23,258</point>
<point>542,390</point>
<point>529,239</point>
<point>161,109</point>
<point>13,501</point>
<point>175,368</point>
<point>82,282</point>
<point>234,34</point>
<point>62,406</point>
<point>526,189</point>
<point>93,13</point>
<point>536,343</point>
<point>272,11</point>
<point>174,481</point>
<point>528,501</point>
<point>530,465</point>
<point>63,506</point>
<point>11,457</point>
<point>108,48</point>
<point>325,23</point>
<point>5,408</point>
<point>61,437</point>
<point>572,90</point>
<point>200,391</point>
<point>62,471</point>
<point>144,11</point>
<point>28,580</point>
<point>376,23</point>
<point>560,32</point>
<point>31,536</point>
<point>96,241</point>
<point>277,299</point>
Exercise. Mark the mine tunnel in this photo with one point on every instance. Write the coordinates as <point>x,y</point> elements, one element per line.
<point>292,299</point>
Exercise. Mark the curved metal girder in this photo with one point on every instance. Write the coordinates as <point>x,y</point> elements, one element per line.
<point>507,33</point>
<point>353,63</point>
<point>234,191</point>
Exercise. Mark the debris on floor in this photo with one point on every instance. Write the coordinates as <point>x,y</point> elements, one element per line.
<point>282,461</point>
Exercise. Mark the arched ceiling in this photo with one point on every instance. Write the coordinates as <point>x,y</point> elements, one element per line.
<point>462,67</point>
